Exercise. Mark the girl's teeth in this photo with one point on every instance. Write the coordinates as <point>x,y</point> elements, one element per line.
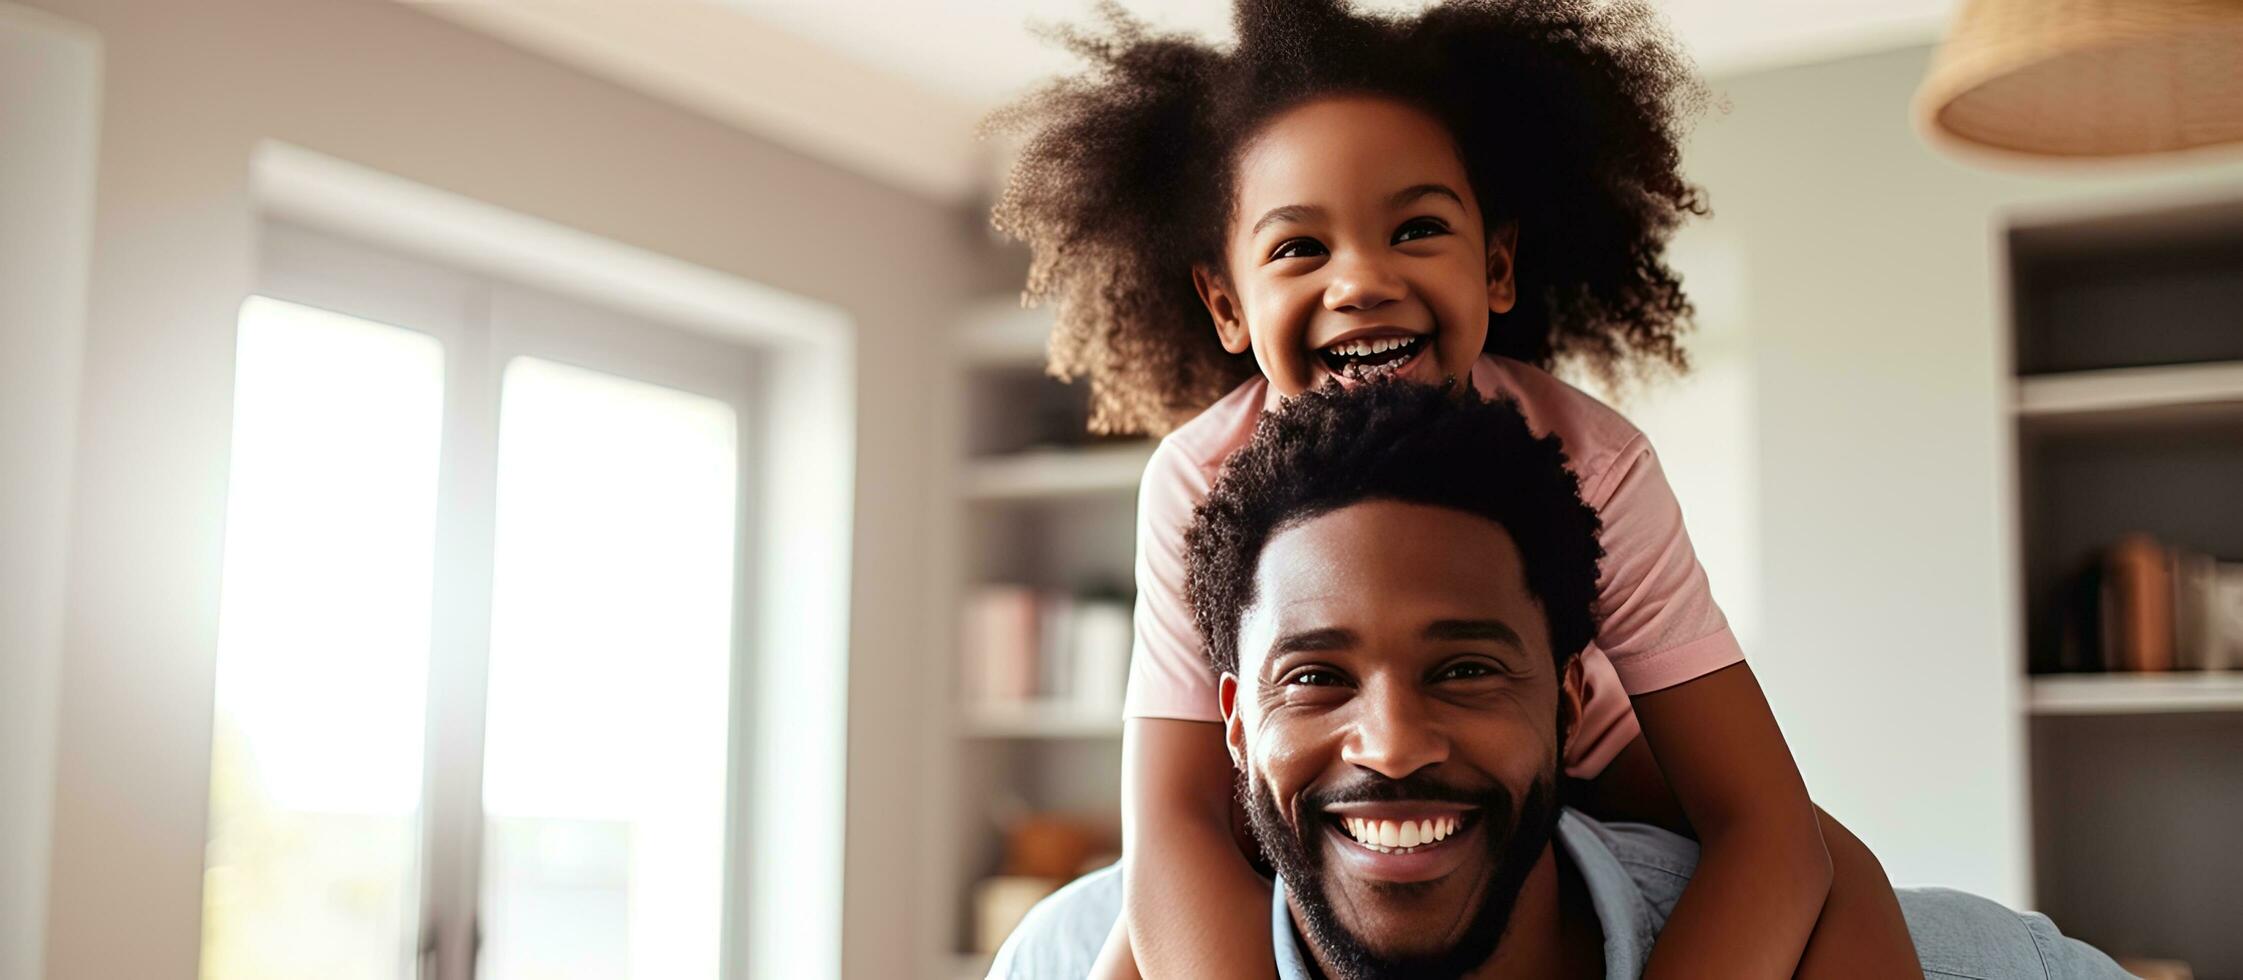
<point>1365,348</point>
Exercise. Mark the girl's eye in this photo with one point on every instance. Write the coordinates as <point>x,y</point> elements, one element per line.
<point>1417,228</point>
<point>1295,248</point>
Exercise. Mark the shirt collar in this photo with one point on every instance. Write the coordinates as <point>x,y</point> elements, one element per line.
<point>1621,909</point>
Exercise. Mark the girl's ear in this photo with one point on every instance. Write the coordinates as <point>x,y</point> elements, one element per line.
<point>1230,323</point>
<point>1503,253</point>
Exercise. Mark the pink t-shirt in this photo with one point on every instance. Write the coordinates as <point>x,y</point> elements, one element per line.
<point>1659,625</point>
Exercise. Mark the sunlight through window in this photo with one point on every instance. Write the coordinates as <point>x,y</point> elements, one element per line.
<point>605,755</point>
<point>312,869</point>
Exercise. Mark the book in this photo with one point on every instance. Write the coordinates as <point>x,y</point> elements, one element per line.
<point>1055,645</point>
<point>1101,645</point>
<point>2138,612</point>
<point>1019,645</point>
<point>2195,611</point>
<point>997,645</point>
<point>2223,618</point>
<point>2079,644</point>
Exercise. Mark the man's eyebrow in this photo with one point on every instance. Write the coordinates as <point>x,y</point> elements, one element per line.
<point>1415,191</point>
<point>1310,641</point>
<point>1287,212</point>
<point>1490,630</point>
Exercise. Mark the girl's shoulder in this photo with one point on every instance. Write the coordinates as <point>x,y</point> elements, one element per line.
<point>1595,434</point>
<point>1204,441</point>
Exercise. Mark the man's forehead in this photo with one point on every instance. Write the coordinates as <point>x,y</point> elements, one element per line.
<point>1381,558</point>
<point>1383,547</point>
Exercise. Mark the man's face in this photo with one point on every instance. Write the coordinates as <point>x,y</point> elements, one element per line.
<point>1395,677</point>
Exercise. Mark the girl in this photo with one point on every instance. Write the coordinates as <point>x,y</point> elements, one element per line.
<point>1482,190</point>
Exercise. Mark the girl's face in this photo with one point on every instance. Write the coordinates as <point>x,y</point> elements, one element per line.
<point>1355,249</point>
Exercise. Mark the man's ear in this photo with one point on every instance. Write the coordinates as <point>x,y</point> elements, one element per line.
<point>1234,730</point>
<point>1573,693</point>
<point>1503,254</point>
<point>1222,306</point>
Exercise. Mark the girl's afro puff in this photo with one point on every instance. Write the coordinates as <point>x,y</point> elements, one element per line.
<point>1568,114</point>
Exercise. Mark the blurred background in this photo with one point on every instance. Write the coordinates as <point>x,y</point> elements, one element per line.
<point>569,488</point>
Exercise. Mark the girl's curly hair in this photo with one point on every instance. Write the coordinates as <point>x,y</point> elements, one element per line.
<point>1568,115</point>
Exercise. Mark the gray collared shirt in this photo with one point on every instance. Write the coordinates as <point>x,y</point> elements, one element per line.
<point>1634,875</point>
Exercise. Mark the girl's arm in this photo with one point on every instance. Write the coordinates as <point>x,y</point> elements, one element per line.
<point>1194,906</point>
<point>1861,933</point>
<point>1765,875</point>
<point>1764,872</point>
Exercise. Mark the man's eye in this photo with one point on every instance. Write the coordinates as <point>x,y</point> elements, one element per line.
<point>1313,677</point>
<point>1296,248</point>
<point>1419,228</point>
<point>1468,670</point>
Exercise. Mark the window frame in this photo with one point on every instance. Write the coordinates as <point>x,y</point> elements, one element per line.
<point>483,323</point>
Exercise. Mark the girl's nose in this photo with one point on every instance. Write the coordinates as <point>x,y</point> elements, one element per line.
<point>1393,735</point>
<point>1362,284</point>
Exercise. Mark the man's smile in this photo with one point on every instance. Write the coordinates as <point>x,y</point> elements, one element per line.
<point>1401,842</point>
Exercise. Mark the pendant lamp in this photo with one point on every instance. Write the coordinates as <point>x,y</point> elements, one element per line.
<point>2087,78</point>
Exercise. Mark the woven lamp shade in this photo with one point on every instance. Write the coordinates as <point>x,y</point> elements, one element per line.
<point>2088,78</point>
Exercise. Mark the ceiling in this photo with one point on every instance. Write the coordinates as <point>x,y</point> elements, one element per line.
<point>894,88</point>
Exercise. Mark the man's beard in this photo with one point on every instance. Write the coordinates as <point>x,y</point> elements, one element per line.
<point>1513,849</point>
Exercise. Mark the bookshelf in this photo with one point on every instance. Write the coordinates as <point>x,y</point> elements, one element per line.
<point>2135,694</point>
<point>2128,414</point>
<point>2147,394</point>
<point>1054,473</point>
<point>1026,501</point>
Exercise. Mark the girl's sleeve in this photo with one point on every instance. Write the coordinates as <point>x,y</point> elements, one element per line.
<point>1660,626</point>
<point>1168,674</point>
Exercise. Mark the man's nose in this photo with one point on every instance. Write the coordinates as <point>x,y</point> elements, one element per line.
<point>1393,735</point>
<point>1360,282</point>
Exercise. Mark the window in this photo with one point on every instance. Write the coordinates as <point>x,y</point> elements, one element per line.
<point>478,654</point>
<point>604,761</point>
<point>313,868</point>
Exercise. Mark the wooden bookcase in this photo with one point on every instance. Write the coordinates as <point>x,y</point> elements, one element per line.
<point>1021,504</point>
<point>2128,343</point>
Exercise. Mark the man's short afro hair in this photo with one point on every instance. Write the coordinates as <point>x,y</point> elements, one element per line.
<point>1443,446</point>
<point>1568,114</point>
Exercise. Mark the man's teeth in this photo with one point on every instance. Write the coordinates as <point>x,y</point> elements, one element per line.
<point>1365,348</point>
<point>1387,835</point>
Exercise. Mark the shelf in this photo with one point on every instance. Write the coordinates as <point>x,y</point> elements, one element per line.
<point>1046,719</point>
<point>2179,391</point>
<point>1053,473</point>
<point>2135,694</point>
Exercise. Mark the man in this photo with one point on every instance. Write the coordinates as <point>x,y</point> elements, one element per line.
<point>1392,582</point>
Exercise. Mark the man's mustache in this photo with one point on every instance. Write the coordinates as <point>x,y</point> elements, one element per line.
<point>1420,786</point>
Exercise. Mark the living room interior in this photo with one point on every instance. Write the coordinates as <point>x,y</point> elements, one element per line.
<point>572,488</point>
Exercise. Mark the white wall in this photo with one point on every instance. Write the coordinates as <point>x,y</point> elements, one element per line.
<point>1859,274</point>
<point>49,93</point>
<point>189,92</point>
